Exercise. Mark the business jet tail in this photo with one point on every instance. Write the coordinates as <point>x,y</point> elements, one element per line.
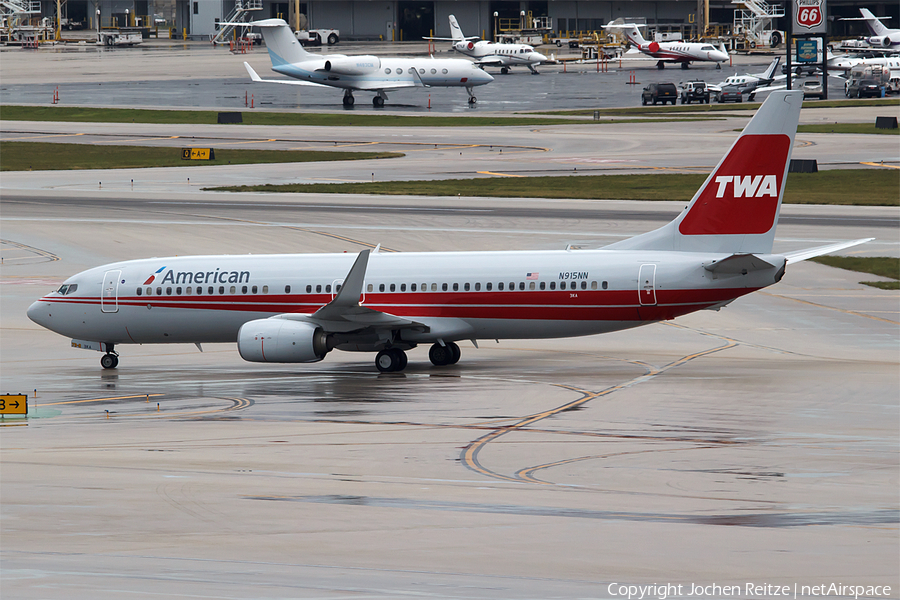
<point>281,43</point>
<point>736,209</point>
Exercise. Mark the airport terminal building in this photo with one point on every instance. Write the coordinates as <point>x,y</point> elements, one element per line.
<point>409,20</point>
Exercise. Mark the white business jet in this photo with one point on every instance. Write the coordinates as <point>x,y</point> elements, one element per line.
<point>679,52</point>
<point>882,37</point>
<point>489,54</point>
<point>751,83</point>
<point>360,73</point>
<point>296,308</point>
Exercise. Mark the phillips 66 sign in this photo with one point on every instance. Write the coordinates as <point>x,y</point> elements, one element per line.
<point>809,16</point>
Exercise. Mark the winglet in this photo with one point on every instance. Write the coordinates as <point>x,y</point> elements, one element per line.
<point>253,75</point>
<point>351,289</point>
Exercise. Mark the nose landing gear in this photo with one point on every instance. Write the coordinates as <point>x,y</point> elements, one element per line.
<point>110,360</point>
<point>472,98</point>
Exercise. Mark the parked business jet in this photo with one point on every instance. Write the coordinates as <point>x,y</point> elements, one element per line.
<point>360,73</point>
<point>750,83</point>
<point>294,308</point>
<point>882,37</point>
<point>489,54</point>
<point>679,52</point>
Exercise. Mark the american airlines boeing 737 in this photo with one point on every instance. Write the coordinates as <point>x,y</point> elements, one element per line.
<point>296,308</point>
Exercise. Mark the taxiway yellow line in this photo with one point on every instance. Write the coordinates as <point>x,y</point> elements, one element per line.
<point>99,399</point>
<point>875,164</point>
<point>498,174</point>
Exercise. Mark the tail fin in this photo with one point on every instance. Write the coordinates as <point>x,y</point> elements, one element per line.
<point>769,73</point>
<point>455,31</point>
<point>634,35</point>
<point>873,23</point>
<point>281,43</point>
<point>737,207</point>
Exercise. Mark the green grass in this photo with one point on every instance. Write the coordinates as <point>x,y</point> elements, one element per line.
<point>883,266</point>
<point>870,187</point>
<point>704,108</point>
<point>77,114</point>
<point>42,156</point>
<point>846,128</point>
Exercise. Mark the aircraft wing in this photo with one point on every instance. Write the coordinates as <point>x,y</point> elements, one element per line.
<point>493,61</point>
<point>374,86</point>
<point>257,79</point>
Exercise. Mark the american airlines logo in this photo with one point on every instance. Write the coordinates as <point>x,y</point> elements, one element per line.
<point>217,276</point>
<point>748,186</point>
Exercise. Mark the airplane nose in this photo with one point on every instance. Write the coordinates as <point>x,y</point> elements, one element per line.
<point>485,77</point>
<point>39,312</point>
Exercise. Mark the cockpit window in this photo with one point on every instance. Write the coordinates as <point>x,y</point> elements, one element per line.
<point>707,48</point>
<point>62,290</point>
<point>66,289</point>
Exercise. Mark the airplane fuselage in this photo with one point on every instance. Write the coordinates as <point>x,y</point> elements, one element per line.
<point>457,296</point>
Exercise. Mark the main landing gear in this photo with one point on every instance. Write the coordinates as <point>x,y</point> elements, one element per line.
<point>378,100</point>
<point>660,65</point>
<point>110,360</point>
<point>392,360</point>
<point>685,66</point>
<point>348,98</point>
<point>472,98</point>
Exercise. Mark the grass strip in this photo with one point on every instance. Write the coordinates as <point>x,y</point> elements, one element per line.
<point>43,156</point>
<point>76,114</point>
<point>846,128</point>
<point>883,266</point>
<point>866,187</point>
<point>707,108</point>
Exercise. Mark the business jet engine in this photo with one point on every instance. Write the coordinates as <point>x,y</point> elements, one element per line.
<point>881,42</point>
<point>465,46</point>
<point>353,65</point>
<point>282,341</point>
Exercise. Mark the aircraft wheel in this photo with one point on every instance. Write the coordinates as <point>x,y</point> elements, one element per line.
<point>472,99</point>
<point>109,361</point>
<point>719,66</point>
<point>455,353</point>
<point>685,66</point>
<point>348,101</point>
<point>440,355</point>
<point>661,66</point>
<point>390,360</point>
<point>504,71</point>
<point>378,102</point>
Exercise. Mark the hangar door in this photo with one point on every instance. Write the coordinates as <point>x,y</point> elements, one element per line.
<point>416,19</point>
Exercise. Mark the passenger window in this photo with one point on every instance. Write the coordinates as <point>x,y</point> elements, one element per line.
<point>444,286</point>
<point>487,286</point>
<point>522,285</point>
<point>309,289</point>
<point>221,289</point>
<point>593,285</point>
<point>387,71</point>
<point>243,289</point>
<point>199,291</point>
<point>444,71</point>
<point>265,289</point>
<point>393,287</point>
<point>187,290</point>
<point>209,290</point>
<point>422,71</point>
<point>168,291</point>
<point>287,289</point>
<point>562,285</point>
<point>455,287</point>
<point>381,287</point>
<point>402,287</point>
<point>369,288</point>
<point>328,289</point>
<point>466,286</point>
<point>605,285</point>
<point>552,285</point>
<point>140,291</point>
<point>412,70</point>
<point>318,289</point>
<point>252,290</point>
<point>412,287</point>
<point>433,71</point>
<point>499,286</point>
<point>159,291</point>
<point>434,287</point>
<point>337,288</point>
<point>233,290</point>
<point>584,285</point>
<point>178,291</point>
<point>531,285</point>
<point>543,285</point>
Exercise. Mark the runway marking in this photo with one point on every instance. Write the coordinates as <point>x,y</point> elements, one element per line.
<point>41,137</point>
<point>881,164</point>
<point>469,456</point>
<point>498,174</point>
<point>99,399</point>
<point>168,137</point>
<point>843,310</point>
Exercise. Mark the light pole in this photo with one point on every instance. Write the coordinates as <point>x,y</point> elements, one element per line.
<point>98,26</point>
<point>496,25</point>
<point>127,20</point>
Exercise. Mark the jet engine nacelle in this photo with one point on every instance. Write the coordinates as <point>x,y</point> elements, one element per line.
<point>465,46</point>
<point>353,65</point>
<point>653,47</point>
<point>881,42</point>
<point>281,340</point>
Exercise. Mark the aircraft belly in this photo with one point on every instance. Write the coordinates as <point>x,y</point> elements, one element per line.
<point>160,325</point>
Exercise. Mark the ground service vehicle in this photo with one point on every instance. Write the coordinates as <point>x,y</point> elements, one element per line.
<point>317,37</point>
<point>659,92</point>
<point>694,91</point>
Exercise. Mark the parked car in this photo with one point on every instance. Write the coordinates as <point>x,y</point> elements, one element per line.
<point>730,93</point>
<point>694,91</point>
<point>863,88</point>
<point>812,88</point>
<point>659,92</point>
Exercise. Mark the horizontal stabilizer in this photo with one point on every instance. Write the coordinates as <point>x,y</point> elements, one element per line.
<point>737,264</point>
<point>794,257</point>
<point>257,79</point>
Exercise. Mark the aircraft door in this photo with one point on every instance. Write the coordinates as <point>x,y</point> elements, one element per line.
<point>109,294</point>
<point>647,285</point>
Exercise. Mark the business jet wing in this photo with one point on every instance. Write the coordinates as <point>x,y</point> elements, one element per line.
<point>375,86</point>
<point>257,79</point>
<point>491,61</point>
